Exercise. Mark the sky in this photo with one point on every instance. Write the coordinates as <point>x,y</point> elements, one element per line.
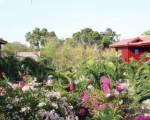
<point>130,18</point>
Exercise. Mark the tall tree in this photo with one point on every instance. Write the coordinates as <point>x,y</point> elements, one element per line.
<point>38,38</point>
<point>108,36</point>
<point>87,36</point>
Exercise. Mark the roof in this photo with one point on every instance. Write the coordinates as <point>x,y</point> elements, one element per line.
<point>33,55</point>
<point>2,41</point>
<point>141,41</point>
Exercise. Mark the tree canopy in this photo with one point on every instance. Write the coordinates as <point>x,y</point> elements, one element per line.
<point>89,36</point>
<point>38,37</point>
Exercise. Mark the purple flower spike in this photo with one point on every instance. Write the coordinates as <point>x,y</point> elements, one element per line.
<point>105,84</point>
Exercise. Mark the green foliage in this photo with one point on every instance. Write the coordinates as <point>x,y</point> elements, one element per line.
<point>39,69</point>
<point>137,73</point>
<point>10,66</point>
<point>38,38</point>
<point>108,37</point>
<point>146,32</point>
<point>12,48</point>
<point>13,68</point>
<point>89,37</point>
<point>109,114</point>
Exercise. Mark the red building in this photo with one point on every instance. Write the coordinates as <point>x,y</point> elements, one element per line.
<point>1,43</point>
<point>133,48</point>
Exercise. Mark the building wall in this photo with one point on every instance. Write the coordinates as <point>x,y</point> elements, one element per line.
<point>136,53</point>
<point>132,52</point>
<point>125,53</point>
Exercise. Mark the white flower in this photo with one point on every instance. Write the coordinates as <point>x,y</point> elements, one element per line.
<point>71,107</point>
<point>82,78</point>
<point>146,104</point>
<point>25,109</point>
<point>76,81</point>
<point>49,82</point>
<point>9,83</point>
<point>41,104</point>
<point>120,102</point>
<point>54,94</point>
<point>36,84</point>
<point>9,106</point>
<point>16,100</point>
<point>90,86</point>
<point>55,105</point>
<point>27,88</point>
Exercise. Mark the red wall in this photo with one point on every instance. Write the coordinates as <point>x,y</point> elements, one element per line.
<point>125,53</point>
<point>136,56</point>
<point>128,53</point>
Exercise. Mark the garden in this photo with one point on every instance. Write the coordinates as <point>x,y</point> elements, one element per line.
<point>74,81</point>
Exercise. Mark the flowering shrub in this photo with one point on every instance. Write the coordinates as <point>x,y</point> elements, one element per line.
<point>94,89</point>
<point>38,103</point>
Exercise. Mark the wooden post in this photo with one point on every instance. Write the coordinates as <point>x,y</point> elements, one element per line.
<point>0,51</point>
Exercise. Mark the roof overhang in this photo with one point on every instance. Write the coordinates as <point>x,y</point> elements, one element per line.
<point>2,41</point>
<point>142,41</point>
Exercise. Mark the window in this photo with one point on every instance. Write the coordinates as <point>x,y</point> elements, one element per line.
<point>136,51</point>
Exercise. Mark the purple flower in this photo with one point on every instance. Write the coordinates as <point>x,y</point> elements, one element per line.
<point>82,111</point>
<point>105,84</point>
<point>142,117</point>
<point>119,87</point>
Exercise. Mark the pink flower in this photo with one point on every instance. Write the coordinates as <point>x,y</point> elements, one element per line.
<point>142,117</point>
<point>15,85</point>
<point>71,87</point>
<point>21,84</point>
<point>105,84</point>
<point>119,87</point>
<point>84,96</point>
<point>101,106</point>
<point>44,81</point>
<point>95,103</point>
<point>105,80</point>
<point>110,105</point>
<point>2,90</point>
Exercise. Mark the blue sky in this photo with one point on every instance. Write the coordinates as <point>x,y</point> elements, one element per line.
<point>129,18</point>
